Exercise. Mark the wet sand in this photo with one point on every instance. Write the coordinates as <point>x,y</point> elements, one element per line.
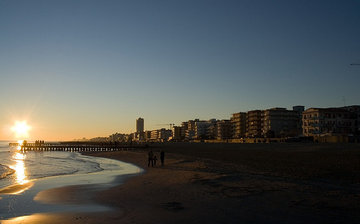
<point>16,189</point>
<point>218,183</point>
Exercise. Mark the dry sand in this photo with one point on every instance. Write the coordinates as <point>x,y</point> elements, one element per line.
<point>228,183</point>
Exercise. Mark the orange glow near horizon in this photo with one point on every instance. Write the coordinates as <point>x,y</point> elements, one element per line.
<point>21,129</point>
<point>32,129</point>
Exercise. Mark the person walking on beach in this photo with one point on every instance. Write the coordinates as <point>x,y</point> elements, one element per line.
<point>155,159</point>
<point>162,157</point>
<point>150,158</point>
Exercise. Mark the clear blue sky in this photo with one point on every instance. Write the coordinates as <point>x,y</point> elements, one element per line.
<point>90,68</point>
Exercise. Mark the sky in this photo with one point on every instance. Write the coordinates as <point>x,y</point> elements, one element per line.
<point>85,68</point>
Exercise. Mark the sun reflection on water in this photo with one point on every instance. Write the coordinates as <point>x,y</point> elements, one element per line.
<point>20,143</point>
<point>19,168</point>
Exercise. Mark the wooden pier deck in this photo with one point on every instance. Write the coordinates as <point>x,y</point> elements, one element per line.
<point>80,147</point>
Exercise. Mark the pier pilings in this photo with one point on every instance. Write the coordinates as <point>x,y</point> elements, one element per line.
<point>78,147</point>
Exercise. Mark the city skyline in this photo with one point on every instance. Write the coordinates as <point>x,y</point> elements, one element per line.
<point>76,69</point>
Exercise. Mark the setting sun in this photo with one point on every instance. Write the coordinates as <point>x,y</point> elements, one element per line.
<point>21,129</point>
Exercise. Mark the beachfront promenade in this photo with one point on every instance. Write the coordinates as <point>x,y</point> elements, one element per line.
<point>80,147</point>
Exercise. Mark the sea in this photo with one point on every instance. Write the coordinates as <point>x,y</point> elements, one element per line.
<point>46,170</point>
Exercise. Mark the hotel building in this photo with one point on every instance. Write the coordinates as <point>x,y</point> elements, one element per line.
<point>280,122</point>
<point>139,125</point>
<point>329,121</point>
<point>224,129</point>
<point>239,125</point>
<point>254,123</point>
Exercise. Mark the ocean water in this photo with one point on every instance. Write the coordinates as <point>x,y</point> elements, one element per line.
<point>17,167</point>
<point>45,170</point>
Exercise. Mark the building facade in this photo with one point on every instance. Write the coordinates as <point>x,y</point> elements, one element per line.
<point>189,129</point>
<point>224,129</point>
<point>139,125</point>
<point>356,110</point>
<point>329,121</point>
<point>203,129</point>
<point>154,135</point>
<point>254,123</point>
<point>280,122</point>
<point>147,135</point>
<point>239,125</point>
<point>177,133</point>
<point>161,135</point>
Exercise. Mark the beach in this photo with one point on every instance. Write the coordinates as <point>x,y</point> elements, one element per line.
<point>223,183</point>
<point>26,176</point>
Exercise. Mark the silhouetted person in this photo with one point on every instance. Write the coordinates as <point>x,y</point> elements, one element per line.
<point>154,159</point>
<point>162,157</point>
<point>150,158</point>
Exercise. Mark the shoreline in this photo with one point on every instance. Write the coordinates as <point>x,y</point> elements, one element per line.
<point>193,189</point>
<point>43,194</point>
<point>5,171</point>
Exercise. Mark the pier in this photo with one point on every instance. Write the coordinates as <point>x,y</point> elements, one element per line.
<point>81,147</point>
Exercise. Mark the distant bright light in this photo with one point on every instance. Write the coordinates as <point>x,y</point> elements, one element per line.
<point>21,129</point>
<point>20,142</point>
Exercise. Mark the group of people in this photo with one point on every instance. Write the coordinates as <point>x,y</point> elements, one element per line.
<point>152,158</point>
<point>39,142</point>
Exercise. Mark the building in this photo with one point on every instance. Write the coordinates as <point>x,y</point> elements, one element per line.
<point>212,131</point>
<point>239,125</point>
<point>161,135</point>
<point>224,129</point>
<point>164,134</point>
<point>300,110</point>
<point>177,133</point>
<point>254,123</point>
<point>189,129</point>
<point>147,135</point>
<point>355,109</point>
<point>139,125</point>
<point>197,129</point>
<point>280,122</point>
<point>329,121</point>
<point>202,128</point>
<point>154,135</point>
<point>191,124</point>
<point>117,137</point>
<point>184,128</point>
